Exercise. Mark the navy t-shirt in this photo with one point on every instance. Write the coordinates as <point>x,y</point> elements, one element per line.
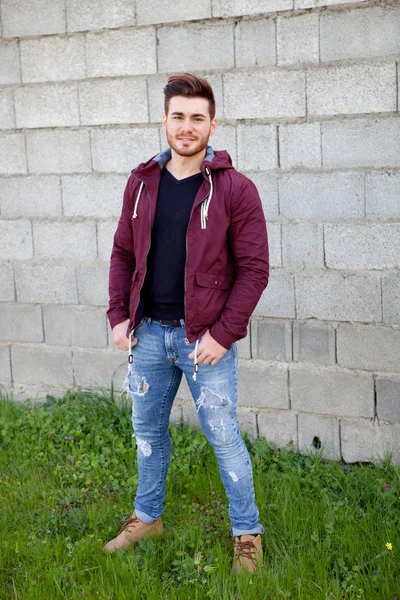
<point>163,288</point>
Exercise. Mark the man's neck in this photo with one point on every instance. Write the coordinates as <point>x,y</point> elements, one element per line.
<point>185,166</point>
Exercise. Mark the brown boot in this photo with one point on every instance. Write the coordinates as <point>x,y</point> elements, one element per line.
<point>247,553</point>
<point>133,530</point>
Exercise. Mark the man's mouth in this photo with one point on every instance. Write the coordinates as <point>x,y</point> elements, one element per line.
<point>186,139</point>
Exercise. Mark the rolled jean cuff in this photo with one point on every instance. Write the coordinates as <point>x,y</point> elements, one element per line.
<point>142,516</point>
<point>238,532</point>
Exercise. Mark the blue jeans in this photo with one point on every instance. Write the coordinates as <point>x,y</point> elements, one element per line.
<point>158,361</point>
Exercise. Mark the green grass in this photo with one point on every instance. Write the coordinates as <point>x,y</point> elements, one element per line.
<point>68,475</point>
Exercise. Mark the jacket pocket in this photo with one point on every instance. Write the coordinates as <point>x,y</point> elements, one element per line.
<point>211,293</point>
<point>210,280</point>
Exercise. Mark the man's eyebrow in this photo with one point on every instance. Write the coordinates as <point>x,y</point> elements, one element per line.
<point>181,114</point>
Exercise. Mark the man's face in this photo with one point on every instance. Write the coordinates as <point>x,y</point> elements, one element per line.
<point>188,125</point>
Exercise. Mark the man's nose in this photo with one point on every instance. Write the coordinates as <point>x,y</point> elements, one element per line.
<point>187,125</point>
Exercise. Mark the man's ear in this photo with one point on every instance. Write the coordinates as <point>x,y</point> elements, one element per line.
<point>213,125</point>
<point>164,121</point>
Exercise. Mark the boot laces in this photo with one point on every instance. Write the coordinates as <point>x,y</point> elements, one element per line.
<point>246,550</point>
<point>131,522</point>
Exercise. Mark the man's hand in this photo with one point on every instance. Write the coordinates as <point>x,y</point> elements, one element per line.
<point>119,336</point>
<point>209,351</point>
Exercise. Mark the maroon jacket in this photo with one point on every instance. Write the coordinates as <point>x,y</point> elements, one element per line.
<point>227,249</point>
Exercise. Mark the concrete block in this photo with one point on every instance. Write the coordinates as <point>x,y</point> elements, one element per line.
<point>30,196</point>
<point>5,365</point>
<point>224,138</point>
<point>275,244</point>
<point>267,186</point>
<point>319,435</point>
<point>361,143</point>
<point>164,11</point>
<point>332,392</point>
<point>362,246</point>
<point>290,31</point>
<point>121,150</point>
<point>156,86</point>
<point>382,190</point>
<point>247,423</point>
<point>365,440</point>
<point>10,70</point>
<point>189,414</point>
<point>7,120</point>
<point>176,414</point>
<point>46,105</point>
<point>16,239</point>
<point>360,33</point>
<point>65,241</point>
<point>278,427</point>
<point>98,196</point>
<point>99,368</point>
<point>32,17</point>
<point>75,326</point>
<point>12,154</point>
<point>184,392</point>
<point>244,346</point>
<point>53,58</point>
<point>302,245</point>
<point>257,147</point>
<point>271,339</point>
<point>300,146</point>
<point>278,299</point>
<point>36,392</point>
<point>99,14</point>
<point>41,365</point>
<point>255,43</point>
<point>113,101</point>
<point>314,342</point>
<point>178,46</point>
<point>338,297</point>
<point>7,291</point>
<point>298,4</point>
<point>355,89</point>
<point>264,94</point>
<point>93,284</point>
<point>121,52</point>
<point>388,399</point>
<point>391,299</point>
<point>322,195</point>
<point>58,151</point>
<point>262,385</point>
<point>357,347</point>
<point>50,283</point>
<point>21,323</point>
<point>236,8</point>
<point>105,237</point>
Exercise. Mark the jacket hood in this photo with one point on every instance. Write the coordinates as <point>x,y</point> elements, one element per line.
<point>214,159</point>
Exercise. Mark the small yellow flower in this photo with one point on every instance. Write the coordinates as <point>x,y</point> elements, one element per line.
<point>389,546</point>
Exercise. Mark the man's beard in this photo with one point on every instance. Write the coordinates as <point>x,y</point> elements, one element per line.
<point>194,149</point>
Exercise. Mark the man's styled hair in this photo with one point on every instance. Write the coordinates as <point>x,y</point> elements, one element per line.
<point>189,86</point>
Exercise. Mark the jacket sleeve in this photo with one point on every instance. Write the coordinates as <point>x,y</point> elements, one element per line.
<point>122,264</point>
<point>248,241</point>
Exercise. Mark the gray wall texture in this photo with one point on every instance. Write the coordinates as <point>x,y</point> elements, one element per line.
<point>308,106</point>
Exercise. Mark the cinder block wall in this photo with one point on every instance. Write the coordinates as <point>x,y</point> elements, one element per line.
<point>307,95</point>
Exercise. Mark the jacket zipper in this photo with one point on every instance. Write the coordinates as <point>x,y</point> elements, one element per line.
<point>148,249</point>
<point>184,285</point>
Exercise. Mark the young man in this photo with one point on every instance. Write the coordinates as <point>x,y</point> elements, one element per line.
<point>188,266</point>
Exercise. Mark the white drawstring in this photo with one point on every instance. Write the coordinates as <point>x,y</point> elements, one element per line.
<point>130,354</point>
<point>137,201</point>
<point>206,203</point>
<point>195,365</point>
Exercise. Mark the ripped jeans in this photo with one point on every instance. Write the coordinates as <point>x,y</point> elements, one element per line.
<point>159,359</point>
